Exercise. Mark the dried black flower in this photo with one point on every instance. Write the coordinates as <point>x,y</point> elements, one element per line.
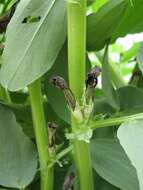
<point>61,84</point>
<point>52,127</point>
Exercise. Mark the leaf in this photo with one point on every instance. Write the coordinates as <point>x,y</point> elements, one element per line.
<point>101,184</point>
<point>34,38</point>
<point>130,97</point>
<point>132,21</point>
<point>89,2</point>
<point>102,107</point>
<point>140,58</point>
<point>101,25</point>
<point>132,52</point>
<point>115,19</point>
<point>108,89</point>
<point>18,160</point>
<point>130,135</point>
<point>110,162</point>
<point>98,4</point>
<point>55,96</point>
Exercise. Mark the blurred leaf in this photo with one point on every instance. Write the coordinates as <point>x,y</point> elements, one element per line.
<point>101,106</point>
<point>31,46</point>
<point>115,19</point>
<point>110,162</point>
<point>140,58</point>
<point>132,52</point>
<point>18,97</point>
<point>109,91</point>
<point>130,97</point>
<point>101,184</point>
<point>130,135</point>
<point>100,26</point>
<point>89,2</point>
<point>132,21</point>
<point>98,4</point>
<point>18,160</point>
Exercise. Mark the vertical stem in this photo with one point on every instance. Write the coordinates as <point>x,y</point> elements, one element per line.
<point>76,64</point>
<point>76,45</point>
<point>41,135</point>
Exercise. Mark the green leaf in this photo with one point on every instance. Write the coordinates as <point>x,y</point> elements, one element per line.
<point>130,97</point>
<point>89,2</point>
<point>34,38</point>
<point>108,88</point>
<point>110,162</point>
<point>115,19</point>
<point>18,160</point>
<point>132,21</point>
<point>98,4</point>
<point>101,25</point>
<point>132,52</point>
<point>102,107</point>
<point>55,96</point>
<point>101,184</point>
<point>130,135</point>
<point>140,58</point>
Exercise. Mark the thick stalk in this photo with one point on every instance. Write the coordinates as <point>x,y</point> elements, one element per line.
<point>76,65</point>
<point>41,135</point>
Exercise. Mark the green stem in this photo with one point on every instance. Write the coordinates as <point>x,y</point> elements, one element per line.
<point>76,45</point>
<point>115,121</point>
<point>41,135</point>
<point>61,155</point>
<point>76,65</point>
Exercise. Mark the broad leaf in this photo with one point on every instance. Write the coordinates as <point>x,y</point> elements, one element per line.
<point>115,19</point>
<point>101,25</point>
<point>132,21</point>
<point>18,160</point>
<point>130,135</point>
<point>34,38</point>
<point>110,162</point>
